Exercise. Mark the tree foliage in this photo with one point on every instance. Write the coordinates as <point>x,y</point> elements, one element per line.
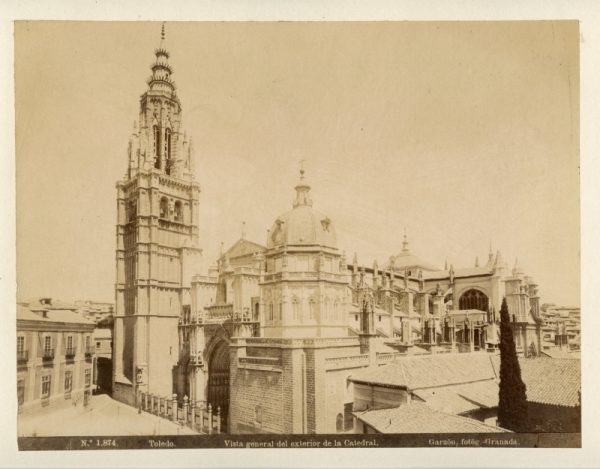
<point>512,405</point>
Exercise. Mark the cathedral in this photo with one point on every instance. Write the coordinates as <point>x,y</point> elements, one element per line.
<point>273,331</point>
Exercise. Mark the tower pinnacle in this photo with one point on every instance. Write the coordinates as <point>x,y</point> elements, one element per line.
<point>405,242</point>
<point>302,190</point>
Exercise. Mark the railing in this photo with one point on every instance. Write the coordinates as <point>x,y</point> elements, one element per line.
<point>22,356</point>
<point>347,362</point>
<point>386,357</point>
<point>70,352</point>
<point>263,361</point>
<point>196,415</point>
<point>220,311</point>
<point>89,351</point>
<point>317,275</point>
<point>48,354</point>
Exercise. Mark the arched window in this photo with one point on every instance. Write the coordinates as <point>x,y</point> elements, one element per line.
<point>270,311</point>
<point>327,305</point>
<point>311,308</point>
<point>280,310</point>
<point>178,212</point>
<point>224,291</point>
<point>156,133</point>
<point>131,211</point>
<point>339,423</point>
<point>296,309</point>
<point>167,152</point>
<point>164,208</point>
<point>473,299</point>
<point>336,309</point>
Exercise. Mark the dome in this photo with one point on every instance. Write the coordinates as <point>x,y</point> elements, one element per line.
<point>406,260</point>
<point>302,226</point>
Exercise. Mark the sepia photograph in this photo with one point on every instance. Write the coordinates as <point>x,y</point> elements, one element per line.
<point>277,234</point>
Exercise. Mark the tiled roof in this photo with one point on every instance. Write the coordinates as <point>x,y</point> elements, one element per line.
<point>52,316</point>
<point>419,418</point>
<point>553,381</point>
<point>461,398</point>
<point>102,333</point>
<point>38,304</point>
<point>419,372</point>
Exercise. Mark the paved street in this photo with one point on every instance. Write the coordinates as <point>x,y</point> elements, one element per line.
<point>103,416</point>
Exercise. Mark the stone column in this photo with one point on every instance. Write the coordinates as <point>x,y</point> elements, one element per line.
<point>174,408</point>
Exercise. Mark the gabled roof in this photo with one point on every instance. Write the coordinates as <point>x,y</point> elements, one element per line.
<point>419,418</point>
<point>462,397</point>
<point>418,372</point>
<point>552,381</point>
<point>243,247</point>
<point>62,316</point>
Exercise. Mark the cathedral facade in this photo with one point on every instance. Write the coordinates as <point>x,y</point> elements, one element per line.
<point>272,332</point>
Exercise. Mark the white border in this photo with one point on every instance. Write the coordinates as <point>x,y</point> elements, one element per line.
<point>588,12</point>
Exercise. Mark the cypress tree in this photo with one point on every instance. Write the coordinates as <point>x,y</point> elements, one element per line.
<point>512,405</point>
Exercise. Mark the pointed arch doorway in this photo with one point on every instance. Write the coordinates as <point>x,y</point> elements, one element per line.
<point>218,382</point>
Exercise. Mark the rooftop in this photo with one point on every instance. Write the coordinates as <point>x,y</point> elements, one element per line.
<point>418,372</point>
<point>419,418</point>
<point>56,316</point>
<point>553,381</point>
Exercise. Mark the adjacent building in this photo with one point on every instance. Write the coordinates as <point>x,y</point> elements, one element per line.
<point>54,355</point>
<point>454,393</point>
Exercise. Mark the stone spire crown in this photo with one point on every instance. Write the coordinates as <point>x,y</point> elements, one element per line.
<point>405,242</point>
<point>302,191</point>
<point>161,70</point>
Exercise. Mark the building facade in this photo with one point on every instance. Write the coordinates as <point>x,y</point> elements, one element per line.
<point>54,356</point>
<point>157,241</point>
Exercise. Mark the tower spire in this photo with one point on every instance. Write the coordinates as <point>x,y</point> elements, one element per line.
<point>405,242</point>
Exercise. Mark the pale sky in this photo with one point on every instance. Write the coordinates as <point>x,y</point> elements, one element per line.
<point>464,133</point>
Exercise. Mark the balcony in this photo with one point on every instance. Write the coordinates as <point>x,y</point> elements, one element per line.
<point>22,357</point>
<point>70,353</point>
<point>89,352</point>
<point>48,356</point>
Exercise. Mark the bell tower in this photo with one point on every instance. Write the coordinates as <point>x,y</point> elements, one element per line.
<point>157,240</point>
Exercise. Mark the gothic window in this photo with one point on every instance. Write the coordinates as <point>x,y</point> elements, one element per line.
<point>473,299</point>
<point>167,151</point>
<point>336,309</point>
<point>164,208</point>
<point>296,309</point>
<point>327,307</point>
<point>270,311</point>
<point>178,212</point>
<point>131,211</point>
<point>280,310</point>
<point>156,133</point>
<point>311,308</point>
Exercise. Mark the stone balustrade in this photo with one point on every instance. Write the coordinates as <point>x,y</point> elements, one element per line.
<point>198,416</point>
<point>354,361</point>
